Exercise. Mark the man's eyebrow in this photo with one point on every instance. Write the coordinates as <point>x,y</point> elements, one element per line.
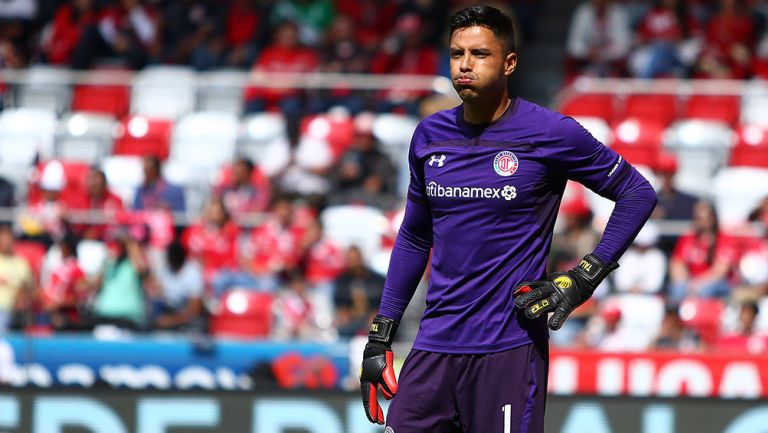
<point>480,51</point>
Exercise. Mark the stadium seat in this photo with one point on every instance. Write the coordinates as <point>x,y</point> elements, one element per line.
<point>638,140</point>
<point>394,130</point>
<point>243,314</point>
<point>737,191</point>
<point>222,91</point>
<point>33,253</point>
<point>140,136</point>
<point>85,137</point>
<point>258,131</point>
<point>600,105</point>
<point>204,141</point>
<point>124,174</point>
<point>47,88</point>
<point>101,94</point>
<point>701,148</point>
<point>598,127</point>
<point>641,316</point>
<point>91,256</point>
<point>25,134</point>
<point>662,109</point>
<point>349,225</point>
<point>163,92</point>
<point>751,148</point>
<point>704,316</point>
<point>722,108</point>
<point>338,129</point>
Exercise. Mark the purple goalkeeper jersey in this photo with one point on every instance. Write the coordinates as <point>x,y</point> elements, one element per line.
<point>493,192</point>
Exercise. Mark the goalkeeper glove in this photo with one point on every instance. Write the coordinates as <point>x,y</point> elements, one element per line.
<point>562,291</point>
<point>377,371</point>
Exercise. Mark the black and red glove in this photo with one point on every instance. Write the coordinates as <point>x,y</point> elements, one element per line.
<point>562,291</point>
<point>377,371</point>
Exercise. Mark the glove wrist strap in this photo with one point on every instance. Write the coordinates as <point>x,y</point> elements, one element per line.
<point>593,270</point>
<point>382,330</point>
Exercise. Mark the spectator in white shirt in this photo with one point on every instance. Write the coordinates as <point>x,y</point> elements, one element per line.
<point>643,267</point>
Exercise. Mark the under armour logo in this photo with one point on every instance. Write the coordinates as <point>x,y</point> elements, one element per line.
<point>440,161</point>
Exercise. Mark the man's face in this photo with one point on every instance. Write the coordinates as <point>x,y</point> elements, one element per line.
<point>479,62</point>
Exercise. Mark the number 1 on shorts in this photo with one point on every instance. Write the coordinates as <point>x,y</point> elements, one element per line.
<point>507,409</point>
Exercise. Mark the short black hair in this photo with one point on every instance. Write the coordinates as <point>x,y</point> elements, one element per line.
<point>485,16</point>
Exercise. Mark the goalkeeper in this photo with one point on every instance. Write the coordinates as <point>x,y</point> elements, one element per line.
<point>486,181</point>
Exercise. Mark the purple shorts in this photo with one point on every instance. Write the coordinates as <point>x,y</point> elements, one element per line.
<point>502,392</point>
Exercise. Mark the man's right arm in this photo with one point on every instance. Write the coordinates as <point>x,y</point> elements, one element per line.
<point>408,261</point>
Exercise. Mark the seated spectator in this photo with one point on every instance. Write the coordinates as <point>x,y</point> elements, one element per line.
<point>577,237</point>
<point>246,28</point>
<point>364,173</point>
<point>668,41</point>
<point>213,240</point>
<point>120,300</point>
<point>404,52</point>
<point>703,258</point>
<point>176,291</point>
<point>673,204</point>
<point>321,261</point>
<point>101,201</point>
<point>294,311</point>
<point>374,18</point>
<point>599,39</point>
<point>248,192</point>
<point>730,43</point>
<point>62,36</point>
<point>271,249</point>
<point>358,292</point>
<point>192,33</point>
<point>66,291</point>
<point>16,281</point>
<point>340,53</point>
<point>311,17</point>
<point>285,55</point>
<point>643,267</point>
<point>156,192</point>
<point>127,30</point>
<point>674,336</point>
<point>44,220</point>
<point>744,339</point>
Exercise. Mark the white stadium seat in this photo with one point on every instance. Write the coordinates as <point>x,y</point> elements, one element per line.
<point>26,133</point>
<point>360,226</point>
<point>124,174</point>
<point>598,127</point>
<point>163,91</point>
<point>46,87</point>
<point>85,137</point>
<point>204,141</point>
<point>258,131</point>
<point>222,90</point>
<point>737,191</point>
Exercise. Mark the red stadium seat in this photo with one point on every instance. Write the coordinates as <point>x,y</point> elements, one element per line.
<point>751,148</point>
<point>704,316</point>
<point>339,131</point>
<point>33,252</point>
<point>639,141</point>
<point>723,108</point>
<point>591,105</point>
<point>138,135</point>
<point>75,173</point>
<point>243,314</point>
<point>113,100</point>
<point>662,109</point>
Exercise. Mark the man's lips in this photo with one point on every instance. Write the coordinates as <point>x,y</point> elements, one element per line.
<point>464,80</point>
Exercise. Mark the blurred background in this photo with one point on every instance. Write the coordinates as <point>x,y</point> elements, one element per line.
<point>198,200</point>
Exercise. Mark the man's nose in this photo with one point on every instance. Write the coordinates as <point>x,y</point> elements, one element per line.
<point>466,63</point>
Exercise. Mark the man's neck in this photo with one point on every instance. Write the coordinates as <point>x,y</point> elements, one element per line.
<point>485,112</point>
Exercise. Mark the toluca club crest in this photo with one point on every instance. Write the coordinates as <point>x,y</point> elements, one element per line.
<point>505,163</point>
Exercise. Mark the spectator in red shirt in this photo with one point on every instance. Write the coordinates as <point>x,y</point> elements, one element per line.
<point>321,261</point>
<point>271,249</point>
<point>128,30</point>
<point>61,36</point>
<point>45,218</point>
<point>668,44</point>
<point>405,53</point>
<point>100,201</point>
<point>66,291</point>
<point>744,339</point>
<point>248,191</point>
<point>703,258</point>
<point>285,55</point>
<point>730,43</point>
<point>213,240</point>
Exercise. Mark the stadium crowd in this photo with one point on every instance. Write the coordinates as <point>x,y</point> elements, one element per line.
<point>261,229</point>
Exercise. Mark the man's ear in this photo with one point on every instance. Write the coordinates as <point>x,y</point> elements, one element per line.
<point>510,63</point>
